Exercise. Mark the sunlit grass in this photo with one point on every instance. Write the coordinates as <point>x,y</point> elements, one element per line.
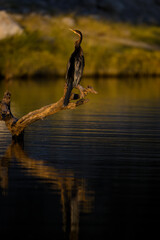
<point>46,45</point>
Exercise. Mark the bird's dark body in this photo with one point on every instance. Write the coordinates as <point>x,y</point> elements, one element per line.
<point>74,70</point>
<point>75,67</point>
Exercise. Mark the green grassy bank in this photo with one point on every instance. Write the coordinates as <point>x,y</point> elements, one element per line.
<point>111,49</point>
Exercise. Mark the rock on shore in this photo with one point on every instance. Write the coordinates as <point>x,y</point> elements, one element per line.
<point>8,26</point>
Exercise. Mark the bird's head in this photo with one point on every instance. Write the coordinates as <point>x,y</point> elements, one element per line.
<point>79,34</point>
<point>76,32</point>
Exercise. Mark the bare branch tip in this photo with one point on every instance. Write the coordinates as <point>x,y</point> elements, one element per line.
<point>91,89</point>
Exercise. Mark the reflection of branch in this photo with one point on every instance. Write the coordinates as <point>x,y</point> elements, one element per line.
<point>16,127</point>
<point>72,190</point>
<point>4,162</point>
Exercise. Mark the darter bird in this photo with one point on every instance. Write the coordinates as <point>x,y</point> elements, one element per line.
<point>75,68</point>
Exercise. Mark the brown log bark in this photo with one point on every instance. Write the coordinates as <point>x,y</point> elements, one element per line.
<point>17,126</point>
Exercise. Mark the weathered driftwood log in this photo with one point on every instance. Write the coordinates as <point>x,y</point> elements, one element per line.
<point>17,126</point>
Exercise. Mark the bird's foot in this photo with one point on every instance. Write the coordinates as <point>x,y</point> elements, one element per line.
<point>81,89</point>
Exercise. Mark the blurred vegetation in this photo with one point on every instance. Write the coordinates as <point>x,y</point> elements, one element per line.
<point>111,49</point>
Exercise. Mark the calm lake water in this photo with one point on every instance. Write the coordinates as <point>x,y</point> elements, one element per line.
<point>89,173</point>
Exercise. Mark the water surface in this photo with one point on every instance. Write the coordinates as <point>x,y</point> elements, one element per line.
<point>88,173</point>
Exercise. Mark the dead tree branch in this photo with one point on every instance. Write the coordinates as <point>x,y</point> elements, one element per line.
<point>17,126</point>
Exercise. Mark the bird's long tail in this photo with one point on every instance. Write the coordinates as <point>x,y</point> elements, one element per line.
<point>68,94</point>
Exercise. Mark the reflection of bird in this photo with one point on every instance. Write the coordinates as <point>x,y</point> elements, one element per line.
<point>75,68</point>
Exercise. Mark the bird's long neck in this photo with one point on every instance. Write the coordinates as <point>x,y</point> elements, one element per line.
<point>78,42</point>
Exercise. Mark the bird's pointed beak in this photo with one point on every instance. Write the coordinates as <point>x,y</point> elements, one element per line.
<point>72,30</point>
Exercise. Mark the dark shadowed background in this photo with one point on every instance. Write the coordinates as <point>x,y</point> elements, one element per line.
<point>136,11</point>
